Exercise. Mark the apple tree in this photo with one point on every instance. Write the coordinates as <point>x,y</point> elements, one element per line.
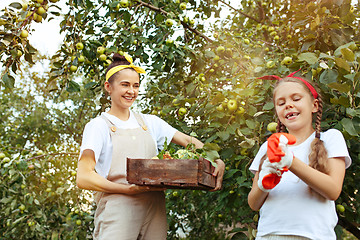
<point>202,60</point>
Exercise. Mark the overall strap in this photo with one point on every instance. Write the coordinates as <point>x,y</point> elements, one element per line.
<point>140,120</point>
<point>109,123</point>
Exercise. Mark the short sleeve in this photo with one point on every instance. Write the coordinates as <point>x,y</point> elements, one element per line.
<point>94,137</point>
<point>336,146</point>
<point>254,167</point>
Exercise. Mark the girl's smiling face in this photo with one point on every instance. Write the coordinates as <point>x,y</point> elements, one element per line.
<point>124,89</point>
<point>294,105</point>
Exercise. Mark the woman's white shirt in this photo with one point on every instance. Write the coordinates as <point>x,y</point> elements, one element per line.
<point>96,136</point>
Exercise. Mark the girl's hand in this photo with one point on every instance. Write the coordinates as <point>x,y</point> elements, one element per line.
<point>219,174</point>
<point>269,176</point>
<point>136,189</point>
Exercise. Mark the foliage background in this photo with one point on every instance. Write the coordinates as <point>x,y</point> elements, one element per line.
<point>200,62</point>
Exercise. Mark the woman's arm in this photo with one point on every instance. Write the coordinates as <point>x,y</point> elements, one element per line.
<point>183,140</point>
<point>328,185</point>
<point>88,179</point>
<point>256,197</point>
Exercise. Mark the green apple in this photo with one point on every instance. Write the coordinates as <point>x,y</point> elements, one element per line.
<point>169,22</point>
<point>31,167</point>
<point>40,152</point>
<point>182,111</point>
<point>246,41</point>
<point>54,1</point>
<point>43,180</point>
<point>102,57</point>
<point>22,207</point>
<point>287,60</point>
<point>73,68</point>
<point>220,108</point>
<point>79,46</point>
<point>133,27</point>
<point>81,58</point>
<point>231,191</point>
<point>169,41</point>
<point>270,64</point>
<point>351,9</point>
<point>220,49</point>
<point>48,190</point>
<point>73,173</point>
<point>78,222</point>
<point>182,6</point>
<point>40,11</point>
<point>175,194</point>
<point>40,1</point>
<point>240,110</point>
<point>289,36</point>
<point>340,208</point>
<point>216,58</point>
<point>271,127</point>
<point>24,6</point>
<point>192,22</point>
<point>135,41</point>
<point>6,160</point>
<point>124,3</point>
<point>211,70</point>
<point>176,102</point>
<point>276,38</point>
<point>19,53</point>
<point>232,105</point>
<point>271,29</point>
<point>2,155</point>
<point>100,50</point>
<point>24,34</point>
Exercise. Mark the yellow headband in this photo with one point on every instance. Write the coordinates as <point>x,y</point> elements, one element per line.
<point>115,69</point>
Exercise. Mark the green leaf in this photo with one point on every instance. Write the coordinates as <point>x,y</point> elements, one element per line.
<point>268,106</point>
<point>16,5</point>
<point>348,54</point>
<point>211,146</point>
<point>342,64</point>
<point>8,80</point>
<point>349,126</point>
<point>223,135</point>
<point>73,86</point>
<point>328,76</point>
<point>344,88</point>
<point>308,57</point>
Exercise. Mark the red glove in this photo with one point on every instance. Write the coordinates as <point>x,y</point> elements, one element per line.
<point>269,176</point>
<point>274,150</point>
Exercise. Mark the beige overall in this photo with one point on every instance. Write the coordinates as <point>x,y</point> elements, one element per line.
<point>129,217</point>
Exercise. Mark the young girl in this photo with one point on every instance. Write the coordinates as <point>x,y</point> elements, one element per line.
<point>124,211</point>
<point>301,205</point>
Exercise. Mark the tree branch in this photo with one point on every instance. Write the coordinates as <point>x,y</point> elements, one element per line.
<point>242,13</point>
<point>152,7</point>
<point>349,226</point>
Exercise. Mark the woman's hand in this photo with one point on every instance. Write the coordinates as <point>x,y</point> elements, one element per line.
<point>219,174</point>
<point>136,189</point>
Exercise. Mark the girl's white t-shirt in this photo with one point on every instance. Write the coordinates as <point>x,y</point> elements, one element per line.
<point>290,208</point>
<point>96,136</point>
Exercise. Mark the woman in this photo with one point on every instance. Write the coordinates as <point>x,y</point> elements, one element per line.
<point>126,211</point>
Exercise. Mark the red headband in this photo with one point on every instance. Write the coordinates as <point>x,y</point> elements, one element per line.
<point>274,77</point>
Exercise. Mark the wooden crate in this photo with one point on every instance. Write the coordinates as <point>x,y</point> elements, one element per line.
<point>171,173</point>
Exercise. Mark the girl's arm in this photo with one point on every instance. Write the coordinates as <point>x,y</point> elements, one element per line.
<point>88,179</point>
<point>256,197</point>
<point>328,185</point>
<point>183,140</point>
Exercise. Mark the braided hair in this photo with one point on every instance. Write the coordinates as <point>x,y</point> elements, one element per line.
<point>318,157</point>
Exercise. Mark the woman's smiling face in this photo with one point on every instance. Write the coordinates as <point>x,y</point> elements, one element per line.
<point>294,105</point>
<point>124,89</point>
